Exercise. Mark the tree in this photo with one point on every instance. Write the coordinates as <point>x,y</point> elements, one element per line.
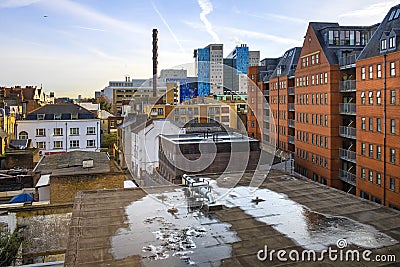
<point>109,140</point>
<point>9,245</point>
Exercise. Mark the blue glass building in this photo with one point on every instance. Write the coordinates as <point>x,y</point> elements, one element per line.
<point>203,63</point>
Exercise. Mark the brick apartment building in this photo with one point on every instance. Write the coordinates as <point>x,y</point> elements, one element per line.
<point>281,95</point>
<point>325,103</point>
<point>258,115</point>
<point>378,114</point>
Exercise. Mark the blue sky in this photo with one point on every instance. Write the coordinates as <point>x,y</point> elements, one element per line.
<point>76,47</point>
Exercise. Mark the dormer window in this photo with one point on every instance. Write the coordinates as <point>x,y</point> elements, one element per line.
<point>57,116</point>
<point>40,116</point>
<point>74,116</point>
<point>392,42</point>
<point>383,44</point>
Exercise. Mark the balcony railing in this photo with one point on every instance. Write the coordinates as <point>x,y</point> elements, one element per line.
<point>291,139</point>
<point>348,61</point>
<point>291,123</point>
<point>347,155</point>
<point>266,92</point>
<point>347,108</point>
<point>291,106</point>
<point>291,90</point>
<point>348,132</point>
<point>266,118</point>
<point>347,177</point>
<point>347,86</point>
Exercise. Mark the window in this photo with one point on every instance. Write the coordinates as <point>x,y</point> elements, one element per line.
<point>363,73</point>
<point>41,145</point>
<point>378,98</point>
<point>316,58</point>
<point>326,77</point>
<point>321,78</point>
<point>392,155</point>
<point>41,132</point>
<point>363,149</point>
<point>90,143</point>
<point>74,131</point>
<point>392,126</point>
<point>40,116</point>
<point>371,151</point>
<point>392,42</point>
<point>363,98</point>
<point>378,178</point>
<point>383,44</point>
<point>363,124</point>
<point>392,69</point>
<point>312,80</point>
<point>370,72</point>
<point>364,195</point>
<point>57,144</point>
<point>362,173</point>
<point>161,110</point>
<point>392,184</point>
<point>371,176</point>
<point>74,143</point>
<point>392,97</point>
<point>252,124</point>
<point>378,152</point>
<point>371,97</point>
<point>326,98</point>
<point>91,130</point>
<point>74,116</point>
<point>58,131</point>
<point>112,123</point>
<point>379,71</point>
<point>23,135</point>
<point>371,124</point>
<point>378,124</point>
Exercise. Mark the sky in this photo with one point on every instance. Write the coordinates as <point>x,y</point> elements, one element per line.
<point>73,47</point>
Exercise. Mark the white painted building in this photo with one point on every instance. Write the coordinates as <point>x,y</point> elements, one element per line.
<point>61,128</point>
<point>216,68</point>
<point>145,144</point>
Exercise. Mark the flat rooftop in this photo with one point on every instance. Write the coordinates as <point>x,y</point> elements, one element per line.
<point>223,137</point>
<point>154,227</point>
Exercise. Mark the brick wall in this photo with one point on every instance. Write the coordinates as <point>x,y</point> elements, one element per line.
<point>64,187</point>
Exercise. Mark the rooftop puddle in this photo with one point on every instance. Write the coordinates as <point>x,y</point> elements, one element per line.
<point>178,238</point>
<point>309,229</point>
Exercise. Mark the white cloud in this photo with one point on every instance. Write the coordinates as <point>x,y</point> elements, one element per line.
<point>93,16</point>
<point>373,10</point>
<point>262,35</point>
<point>89,28</point>
<point>17,3</point>
<point>168,27</point>
<point>206,8</point>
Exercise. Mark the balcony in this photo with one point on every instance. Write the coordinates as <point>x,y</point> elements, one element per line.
<point>291,106</point>
<point>266,92</point>
<point>347,177</point>
<point>291,90</point>
<point>266,118</point>
<point>291,123</point>
<point>347,108</point>
<point>347,86</point>
<point>348,132</point>
<point>291,139</point>
<point>348,62</point>
<point>347,155</point>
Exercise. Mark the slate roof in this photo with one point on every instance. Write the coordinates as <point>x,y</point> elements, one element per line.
<point>372,49</point>
<point>72,163</point>
<point>64,109</point>
<point>288,62</point>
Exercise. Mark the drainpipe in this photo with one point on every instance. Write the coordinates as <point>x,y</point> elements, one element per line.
<point>66,137</point>
<point>384,129</point>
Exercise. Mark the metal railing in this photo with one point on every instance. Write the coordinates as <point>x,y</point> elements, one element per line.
<point>348,61</point>
<point>347,108</point>
<point>347,177</point>
<point>348,132</point>
<point>347,86</point>
<point>291,139</point>
<point>291,106</point>
<point>291,123</point>
<point>291,90</point>
<point>347,155</point>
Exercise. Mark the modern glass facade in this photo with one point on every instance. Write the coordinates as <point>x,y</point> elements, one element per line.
<point>203,61</point>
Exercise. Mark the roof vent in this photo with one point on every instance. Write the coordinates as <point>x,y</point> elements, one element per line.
<point>87,163</point>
